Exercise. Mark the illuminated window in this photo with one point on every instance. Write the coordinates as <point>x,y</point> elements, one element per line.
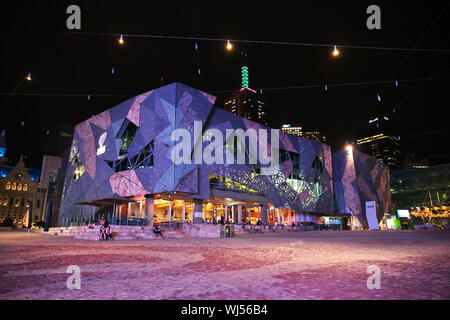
<point>8,185</point>
<point>14,186</point>
<point>25,187</point>
<point>19,187</point>
<point>17,203</point>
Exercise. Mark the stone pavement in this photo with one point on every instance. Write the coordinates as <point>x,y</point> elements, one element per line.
<point>300,265</point>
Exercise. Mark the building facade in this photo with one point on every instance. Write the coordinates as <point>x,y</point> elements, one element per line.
<point>19,189</point>
<point>121,159</point>
<point>423,187</point>
<point>380,143</point>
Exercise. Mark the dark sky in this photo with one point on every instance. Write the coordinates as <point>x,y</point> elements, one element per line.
<point>81,64</point>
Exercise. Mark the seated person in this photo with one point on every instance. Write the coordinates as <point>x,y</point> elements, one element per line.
<point>102,232</point>
<point>157,231</point>
<point>108,233</point>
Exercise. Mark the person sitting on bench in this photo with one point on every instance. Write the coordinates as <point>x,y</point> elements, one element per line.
<point>108,233</point>
<point>157,231</point>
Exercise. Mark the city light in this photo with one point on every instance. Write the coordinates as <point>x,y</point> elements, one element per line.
<point>349,148</point>
<point>335,52</point>
<point>121,39</point>
<point>229,45</point>
<point>29,77</point>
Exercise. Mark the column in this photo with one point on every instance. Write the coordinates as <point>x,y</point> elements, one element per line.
<point>259,212</point>
<point>250,215</point>
<point>225,214</point>
<point>183,217</point>
<point>140,208</point>
<point>192,211</point>
<point>214,213</point>
<point>149,209</point>
<point>170,211</point>
<point>232,214</point>
<point>264,214</point>
<point>198,211</point>
<point>239,214</point>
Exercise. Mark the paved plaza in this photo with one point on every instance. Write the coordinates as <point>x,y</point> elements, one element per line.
<point>292,265</point>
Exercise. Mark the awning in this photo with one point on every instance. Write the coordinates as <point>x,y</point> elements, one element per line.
<point>114,199</point>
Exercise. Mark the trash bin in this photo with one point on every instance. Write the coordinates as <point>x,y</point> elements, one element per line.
<point>228,231</point>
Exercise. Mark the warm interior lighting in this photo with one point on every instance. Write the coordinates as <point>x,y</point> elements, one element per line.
<point>349,148</point>
<point>229,45</point>
<point>335,52</point>
<point>121,39</point>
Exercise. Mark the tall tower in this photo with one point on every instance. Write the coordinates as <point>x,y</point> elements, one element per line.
<point>246,102</point>
<point>379,142</point>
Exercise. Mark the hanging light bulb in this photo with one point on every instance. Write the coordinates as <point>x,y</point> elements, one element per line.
<point>326,88</point>
<point>112,71</point>
<point>260,91</point>
<point>198,70</point>
<point>396,83</point>
<point>29,77</point>
<point>196,46</point>
<point>121,39</point>
<point>393,110</point>
<point>48,131</point>
<point>335,52</point>
<point>378,97</point>
<point>89,97</point>
<point>229,45</point>
<point>23,123</point>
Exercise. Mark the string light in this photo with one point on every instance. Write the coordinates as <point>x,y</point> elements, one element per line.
<point>121,39</point>
<point>335,52</point>
<point>229,45</point>
<point>29,77</point>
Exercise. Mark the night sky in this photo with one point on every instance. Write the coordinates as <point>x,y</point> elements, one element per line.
<point>81,64</point>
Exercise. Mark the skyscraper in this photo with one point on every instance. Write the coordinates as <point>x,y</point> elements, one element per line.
<point>246,102</point>
<point>380,143</point>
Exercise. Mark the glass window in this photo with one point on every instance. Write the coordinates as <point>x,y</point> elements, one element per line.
<point>19,187</point>
<point>8,185</point>
<point>14,186</point>
<point>25,187</point>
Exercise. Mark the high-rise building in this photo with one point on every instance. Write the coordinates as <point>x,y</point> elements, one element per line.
<point>247,103</point>
<point>298,131</point>
<point>380,143</point>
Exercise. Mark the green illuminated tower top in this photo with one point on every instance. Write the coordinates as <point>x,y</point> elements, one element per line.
<point>244,72</point>
<point>244,77</point>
